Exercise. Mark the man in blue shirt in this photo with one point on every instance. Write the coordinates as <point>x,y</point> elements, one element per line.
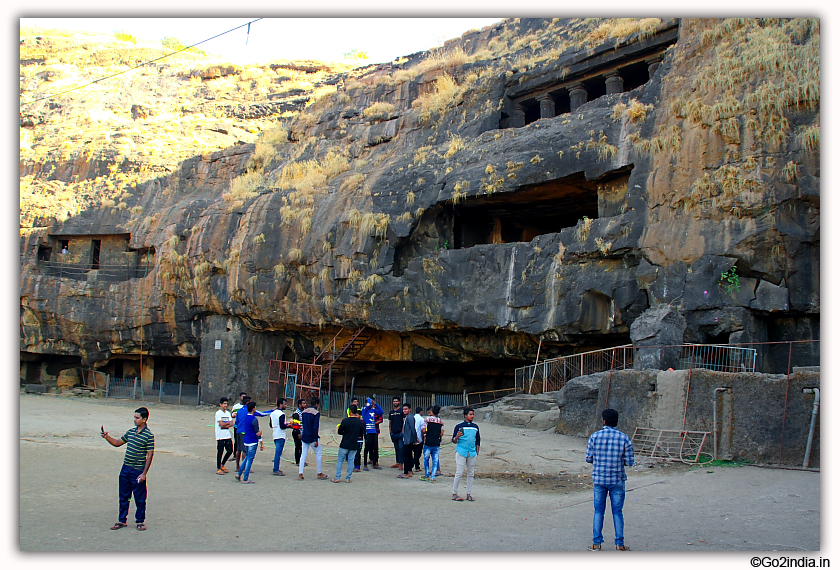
<point>609,451</point>
<point>252,435</point>
<point>468,440</point>
<point>372,416</point>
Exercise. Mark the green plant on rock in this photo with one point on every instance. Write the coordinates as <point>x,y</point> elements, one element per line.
<point>729,281</point>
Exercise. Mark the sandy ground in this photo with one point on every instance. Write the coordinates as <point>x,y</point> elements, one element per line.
<point>68,495</point>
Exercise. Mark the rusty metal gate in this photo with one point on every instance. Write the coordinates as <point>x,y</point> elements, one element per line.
<point>294,379</point>
<point>670,445</point>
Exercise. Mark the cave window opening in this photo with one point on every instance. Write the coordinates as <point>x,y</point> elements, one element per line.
<point>97,248</point>
<point>635,75</point>
<point>44,253</point>
<point>532,110</point>
<point>528,213</point>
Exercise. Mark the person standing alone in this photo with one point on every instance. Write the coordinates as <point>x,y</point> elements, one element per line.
<point>609,451</point>
<point>136,465</point>
<point>468,438</point>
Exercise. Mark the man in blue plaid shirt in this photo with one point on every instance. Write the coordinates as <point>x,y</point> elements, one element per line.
<point>609,451</point>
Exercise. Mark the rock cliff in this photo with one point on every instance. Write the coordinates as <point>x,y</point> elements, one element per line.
<point>535,180</point>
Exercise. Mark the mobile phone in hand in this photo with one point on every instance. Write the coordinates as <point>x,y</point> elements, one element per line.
<point>102,429</point>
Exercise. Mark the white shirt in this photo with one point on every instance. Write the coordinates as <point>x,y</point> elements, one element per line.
<point>276,416</point>
<point>419,424</point>
<point>223,416</point>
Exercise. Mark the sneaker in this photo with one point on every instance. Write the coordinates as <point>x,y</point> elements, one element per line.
<point>365,468</point>
<point>594,547</point>
<point>621,547</point>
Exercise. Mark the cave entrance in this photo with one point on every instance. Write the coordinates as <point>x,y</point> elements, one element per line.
<point>427,378</point>
<point>525,214</point>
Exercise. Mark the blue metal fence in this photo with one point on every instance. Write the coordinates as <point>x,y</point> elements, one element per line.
<point>165,392</point>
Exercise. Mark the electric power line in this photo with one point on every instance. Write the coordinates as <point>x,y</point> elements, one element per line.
<point>142,64</point>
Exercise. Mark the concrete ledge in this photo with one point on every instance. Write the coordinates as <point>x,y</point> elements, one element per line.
<point>36,389</point>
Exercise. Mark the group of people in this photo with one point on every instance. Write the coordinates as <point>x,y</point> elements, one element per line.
<point>609,450</point>
<point>413,435</point>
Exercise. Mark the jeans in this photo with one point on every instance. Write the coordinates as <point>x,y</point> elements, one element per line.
<point>464,463</point>
<point>250,453</point>
<point>616,493</point>
<point>129,485</point>
<point>345,455</point>
<point>434,453</point>
<point>397,439</point>
<point>305,454</point>
<point>279,443</point>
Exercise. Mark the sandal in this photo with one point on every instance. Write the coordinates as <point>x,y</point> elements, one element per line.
<point>403,476</point>
<point>470,499</point>
<point>141,526</point>
<point>322,476</point>
<point>220,472</point>
<point>247,482</point>
<point>457,498</point>
<point>300,477</point>
<point>621,547</point>
<point>336,480</point>
<point>119,525</point>
<point>594,547</point>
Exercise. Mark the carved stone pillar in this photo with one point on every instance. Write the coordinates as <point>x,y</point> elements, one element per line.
<point>615,83</point>
<point>653,65</point>
<point>517,118</point>
<point>577,96</point>
<point>546,106</point>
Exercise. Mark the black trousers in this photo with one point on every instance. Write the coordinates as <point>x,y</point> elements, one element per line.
<point>223,445</point>
<point>372,448</point>
<point>357,461</point>
<point>411,456</point>
<point>298,446</point>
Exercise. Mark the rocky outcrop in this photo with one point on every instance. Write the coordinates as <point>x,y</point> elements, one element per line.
<point>664,327</point>
<point>399,203</point>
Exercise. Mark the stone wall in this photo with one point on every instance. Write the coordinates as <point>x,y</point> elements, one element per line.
<point>751,421</point>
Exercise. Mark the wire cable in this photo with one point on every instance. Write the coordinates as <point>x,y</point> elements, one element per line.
<point>142,64</point>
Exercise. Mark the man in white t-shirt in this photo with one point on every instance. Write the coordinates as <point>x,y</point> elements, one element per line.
<point>224,421</point>
<point>277,420</point>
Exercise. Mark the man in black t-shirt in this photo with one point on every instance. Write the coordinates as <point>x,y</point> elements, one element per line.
<point>350,429</point>
<point>298,415</point>
<point>395,419</point>
<point>433,434</point>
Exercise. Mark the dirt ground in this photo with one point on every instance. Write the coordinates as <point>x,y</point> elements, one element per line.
<point>532,491</point>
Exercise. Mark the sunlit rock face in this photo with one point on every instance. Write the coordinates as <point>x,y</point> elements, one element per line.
<point>535,185</point>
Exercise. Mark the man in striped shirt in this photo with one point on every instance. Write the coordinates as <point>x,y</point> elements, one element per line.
<point>609,451</point>
<point>138,460</point>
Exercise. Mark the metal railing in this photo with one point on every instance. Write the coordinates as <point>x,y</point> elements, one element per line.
<point>337,400</point>
<point>487,396</point>
<point>718,357</point>
<point>164,392</point>
<point>551,375</point>
<point>105,272</point>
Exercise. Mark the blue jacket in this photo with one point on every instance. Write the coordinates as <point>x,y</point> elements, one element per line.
<point>369,415</point>
<point>250,427</point>
<point>311,423</point>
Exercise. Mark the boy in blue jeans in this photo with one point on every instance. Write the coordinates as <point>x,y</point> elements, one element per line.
<point>433,434</point>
